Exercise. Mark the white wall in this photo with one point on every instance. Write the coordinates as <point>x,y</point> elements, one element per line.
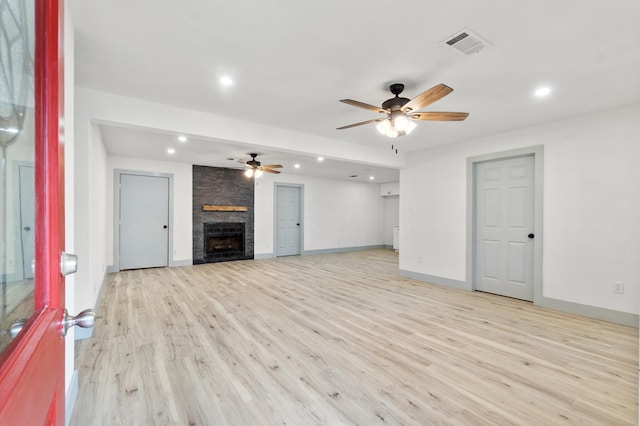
<point>591,205</point>
<point>337,214</point>
<point>98,205</point>
<point>90,204</point>
<point>182,203</point>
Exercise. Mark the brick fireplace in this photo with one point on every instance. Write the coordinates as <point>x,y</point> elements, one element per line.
<point>222,234</point>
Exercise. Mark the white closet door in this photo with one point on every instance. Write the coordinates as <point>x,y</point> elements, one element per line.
<point>144,221</point>
<point>504,226</point>
<point>288,220</point>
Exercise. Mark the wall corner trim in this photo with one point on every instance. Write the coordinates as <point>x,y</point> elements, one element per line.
<point>70,398</point>
<point>85,333</point>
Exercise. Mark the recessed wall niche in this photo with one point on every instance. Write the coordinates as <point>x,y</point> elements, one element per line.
<point>216,186</point>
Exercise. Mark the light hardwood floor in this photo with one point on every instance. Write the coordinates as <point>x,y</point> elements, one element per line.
<point>340,339</point>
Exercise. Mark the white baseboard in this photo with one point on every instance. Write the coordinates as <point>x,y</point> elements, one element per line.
<point>264,256</point>
<point>326,251</point>
<point>183,262</point>
<point>341,250</point>
<point>622,318</point>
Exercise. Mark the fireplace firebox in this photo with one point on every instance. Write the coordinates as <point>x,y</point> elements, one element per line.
<point>223,241</point>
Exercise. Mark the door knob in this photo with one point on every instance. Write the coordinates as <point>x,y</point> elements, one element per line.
<point>16,328</point>
<point>164,227</point>
<point>68,263</point>
<point>531,236</point>
<point>27,228</point>
<point>85,319</point>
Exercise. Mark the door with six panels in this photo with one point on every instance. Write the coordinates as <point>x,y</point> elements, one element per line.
<point>505,227</point>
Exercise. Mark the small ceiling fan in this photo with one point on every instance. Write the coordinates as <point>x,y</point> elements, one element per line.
<point>400,113</point>
<point>255,168</point>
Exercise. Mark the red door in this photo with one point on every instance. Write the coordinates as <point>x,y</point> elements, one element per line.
<point>32,363</point>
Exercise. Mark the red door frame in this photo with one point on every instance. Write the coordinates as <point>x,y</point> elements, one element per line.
<point>32,366</point>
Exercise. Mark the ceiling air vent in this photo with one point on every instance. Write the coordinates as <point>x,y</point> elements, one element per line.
<point>466,42</point>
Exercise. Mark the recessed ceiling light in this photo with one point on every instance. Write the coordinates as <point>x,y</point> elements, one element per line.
<point>171,151</point>
<point>320,159</point>
<point>182,138</point>
<point>297,166</point>
<point>371,178</point>
<point>542,92</point>
<point>226,81</point>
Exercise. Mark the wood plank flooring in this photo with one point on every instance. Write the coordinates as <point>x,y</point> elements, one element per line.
<point>340,339</point>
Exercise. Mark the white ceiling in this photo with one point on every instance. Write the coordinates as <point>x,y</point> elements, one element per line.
<point>292,61</point>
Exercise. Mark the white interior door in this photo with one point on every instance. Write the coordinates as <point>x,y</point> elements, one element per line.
<point>27,209</point>
<point>144,221</point>
<point>288,220</point>
<point>505,227</point>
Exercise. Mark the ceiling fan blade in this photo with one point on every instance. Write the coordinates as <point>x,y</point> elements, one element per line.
<point>270,171</point>
<point>363,105</point>
<point>272,166</point>
<point>439,116</point>
<point>377,120</point>
<point>428,97</point>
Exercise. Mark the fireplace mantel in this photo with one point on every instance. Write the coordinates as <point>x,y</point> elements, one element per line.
<point>211,208</point>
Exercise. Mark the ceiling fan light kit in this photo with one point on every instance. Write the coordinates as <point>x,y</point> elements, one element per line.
<point>253,173</point>
<point>396,125</point>
<point>401,113</point>
<point>256,169</point>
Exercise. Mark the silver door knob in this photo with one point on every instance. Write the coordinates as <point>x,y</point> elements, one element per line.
<point>85,319</point>
<point>68,263</point>
<point>16,328</point>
